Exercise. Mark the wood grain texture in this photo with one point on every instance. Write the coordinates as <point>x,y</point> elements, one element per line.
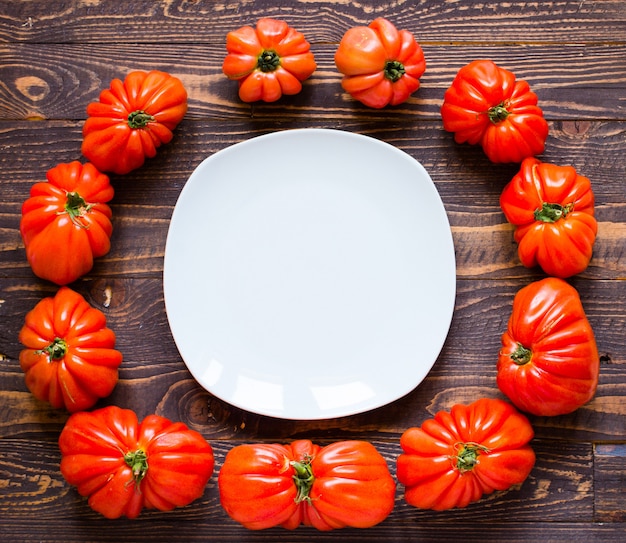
<point>157,21</point>
<point>55,57</point>
<point>38,86</point>
<point>610,478</point>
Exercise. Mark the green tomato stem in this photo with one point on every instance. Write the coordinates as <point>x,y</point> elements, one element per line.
<point>498,113</point>
<point>268,61</point>
<point>467,455</point>
<point>137,461</point>
<point>139,119</point>
<point>394,70</point>
<point>56,350</point>
<point>521,355</point>
<point>552,212</point>
<point>303,478</point>
<point>76,207</point>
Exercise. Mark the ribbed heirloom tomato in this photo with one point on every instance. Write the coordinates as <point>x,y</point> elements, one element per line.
<point>66,223</point>
<point>456,457</point>
<point>549,361</point>
<point>132,119</point>
<point>268,61</point>
<point>123,465</point>
<point>346,483</point>
<point>69,359</point>
<point>381,64</point>
<point>486,104</point>
<point>552,209</point>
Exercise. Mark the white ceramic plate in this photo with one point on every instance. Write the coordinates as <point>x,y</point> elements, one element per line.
<point>309,274</point>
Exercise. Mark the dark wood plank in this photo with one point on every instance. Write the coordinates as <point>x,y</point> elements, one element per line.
<point>559,489</point>
<point>29,149</point>
<point>147,21</point>
<point>561,475</point>
<point>174,527</point>
<point>58,82</point>
<point>610,480</point>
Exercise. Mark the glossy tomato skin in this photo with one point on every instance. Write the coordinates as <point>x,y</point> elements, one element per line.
<point>346,483</point>
<point>487,105</point>
<point>458,456</point>
<point>123,465</point>
<point>132,119</point>
<point>552,209</point>
<point>381,65</point>
<point>549,361</point>
<point>69,359</point>
<point>66,223</point>
<point>268,61</point>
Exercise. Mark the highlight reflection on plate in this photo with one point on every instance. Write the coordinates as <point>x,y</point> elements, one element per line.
<point>309,274</point>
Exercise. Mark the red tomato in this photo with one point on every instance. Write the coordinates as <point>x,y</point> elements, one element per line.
<point>381,65</point>
<point>549,361</point>
<point>69,359</point>
<point>343,484</point>
<point>124,466</point>
<point>268,61</point>
<point>552,208</point>
<point>132,119</point>
<point>486,104</point>
<point>455,458</point>
<point>66,222</point>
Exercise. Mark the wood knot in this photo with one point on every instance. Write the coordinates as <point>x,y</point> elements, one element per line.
<point>576,128</point>
<point>107,293</point>
<point>33,87</point>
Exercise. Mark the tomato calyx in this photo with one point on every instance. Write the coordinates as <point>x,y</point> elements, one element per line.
<point>466,457</point>
<point>268,61</point>
<point>498,113</point>
<point>521,355</point>
<point>394,70</point>
<point>552,212</point>
<point>56,350</point>
<point>303,478</point>
<point>137,461</point>
<point>139,119</point>
<point>76,207</point>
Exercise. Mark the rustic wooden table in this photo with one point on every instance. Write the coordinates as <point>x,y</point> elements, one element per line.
<point>55,57</point>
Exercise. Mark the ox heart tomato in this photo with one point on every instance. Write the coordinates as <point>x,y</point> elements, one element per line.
<point>458,456</point>
<point>346,483</point>
<point>549,361</point>
<point>69,359</point>
<point>552,209</point>
<point>124,465</point>
<point>381,64</point>
<point>487,105</point>
<point>132,119</point>
<point>66,223</point>
<point>268,61</point>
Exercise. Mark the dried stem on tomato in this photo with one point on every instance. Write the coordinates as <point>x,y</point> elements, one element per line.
<point>467,455</point>
<point>522,355</point>
<point>498,113</point>
<point>268,61</point>
<point>394,70</point>
<point>56,350</point>
<point>76,207</point>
